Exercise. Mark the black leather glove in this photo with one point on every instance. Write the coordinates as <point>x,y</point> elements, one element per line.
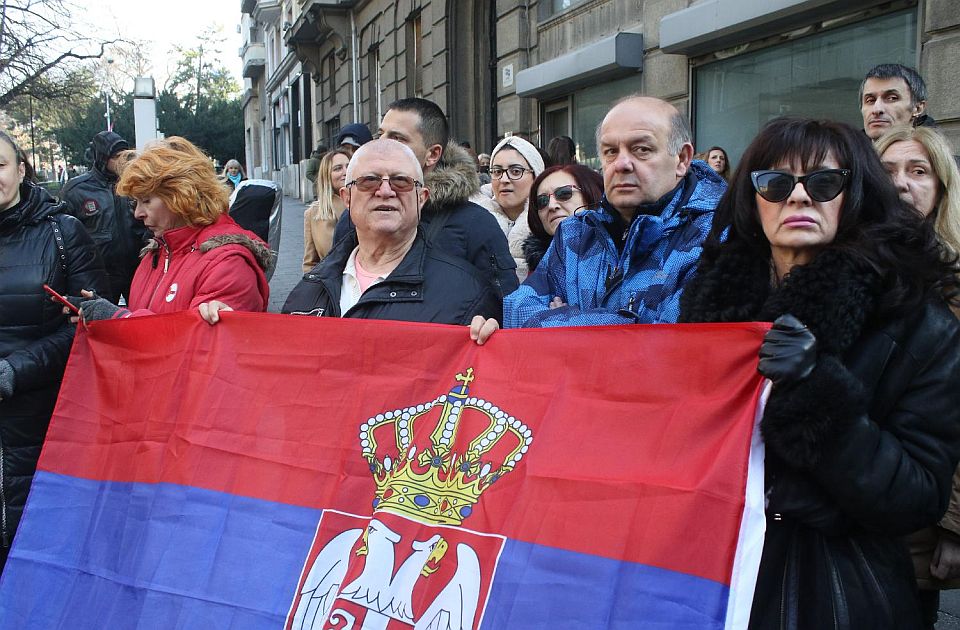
<point>789,351</point>
<point>96,308</point>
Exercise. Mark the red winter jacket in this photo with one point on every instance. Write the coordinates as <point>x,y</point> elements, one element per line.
<point>190,265</point>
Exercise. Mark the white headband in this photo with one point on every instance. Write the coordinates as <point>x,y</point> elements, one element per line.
<point>524,148</point>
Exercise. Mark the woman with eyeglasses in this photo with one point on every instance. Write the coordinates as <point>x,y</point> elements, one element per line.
<point>862,424</point>
<point>557,193</point>
<point>920,162</point>
<point>514,164</point>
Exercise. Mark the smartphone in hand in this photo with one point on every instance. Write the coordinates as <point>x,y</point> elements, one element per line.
<point>61,299</point>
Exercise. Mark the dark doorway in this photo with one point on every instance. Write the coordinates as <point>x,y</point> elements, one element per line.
<point>295,122</point>
<point>471,101</point>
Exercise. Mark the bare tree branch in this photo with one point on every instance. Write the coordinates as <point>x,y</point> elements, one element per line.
<point>42,47</point>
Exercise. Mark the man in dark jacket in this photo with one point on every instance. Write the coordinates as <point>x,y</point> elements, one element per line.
<point>107,217</point>
<point>384,269</point>
<point>450,220</point>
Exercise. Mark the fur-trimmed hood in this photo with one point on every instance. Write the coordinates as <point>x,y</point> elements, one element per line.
<point>534,249</point>
<point>224,232</point>
<point>454,180</point>
<point>258,248</point>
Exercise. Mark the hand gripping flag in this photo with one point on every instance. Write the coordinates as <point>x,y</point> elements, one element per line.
<point>308,474</point>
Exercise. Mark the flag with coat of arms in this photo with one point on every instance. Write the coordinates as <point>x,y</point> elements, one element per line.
<point>308,474</point>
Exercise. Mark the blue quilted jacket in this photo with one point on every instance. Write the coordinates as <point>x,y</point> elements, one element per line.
<point>640,285</point>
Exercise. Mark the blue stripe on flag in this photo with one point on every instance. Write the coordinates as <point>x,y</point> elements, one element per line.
<point>620,594</point>
<point>143,556</point>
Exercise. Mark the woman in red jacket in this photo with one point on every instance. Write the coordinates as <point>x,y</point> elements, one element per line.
<point>197,253</point>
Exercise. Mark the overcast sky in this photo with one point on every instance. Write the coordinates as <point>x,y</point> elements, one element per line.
<point>166,23</point>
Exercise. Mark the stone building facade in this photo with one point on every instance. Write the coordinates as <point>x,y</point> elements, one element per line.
<point>542,68</point>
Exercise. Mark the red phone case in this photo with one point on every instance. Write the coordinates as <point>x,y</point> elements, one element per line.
<point>61,299</point>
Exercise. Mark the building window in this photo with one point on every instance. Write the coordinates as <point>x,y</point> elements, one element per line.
<point>331,79</point>
<point>374,86</point>
<point>279,148</point>
<point>555,120</point>
<point>588,107</point>
<point>415,56</point>
<point>550,8</point>
<point>332,130</point>
<point>817,76</point>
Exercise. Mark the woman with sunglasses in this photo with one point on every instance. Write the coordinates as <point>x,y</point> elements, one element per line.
<point>556,194</point>
<point>514,164</point>
<point>862,425</point>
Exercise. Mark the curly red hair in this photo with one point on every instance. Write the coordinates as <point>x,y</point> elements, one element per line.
<point>180,174</point>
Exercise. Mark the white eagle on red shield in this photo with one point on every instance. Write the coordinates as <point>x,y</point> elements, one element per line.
<point>411,563</point>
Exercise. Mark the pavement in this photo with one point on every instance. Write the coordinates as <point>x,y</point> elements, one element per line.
<point>288,271</point>
<point>949,610</point>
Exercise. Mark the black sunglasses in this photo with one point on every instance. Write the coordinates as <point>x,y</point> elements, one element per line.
<point>564,193</point>
<point>775,186</point>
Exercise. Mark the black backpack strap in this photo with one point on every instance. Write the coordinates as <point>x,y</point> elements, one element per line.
<point>58,238</point>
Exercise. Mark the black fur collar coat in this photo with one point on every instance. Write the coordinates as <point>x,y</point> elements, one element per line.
<point>859,453</point>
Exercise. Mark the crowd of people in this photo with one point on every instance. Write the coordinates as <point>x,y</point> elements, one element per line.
<point>845,240</point>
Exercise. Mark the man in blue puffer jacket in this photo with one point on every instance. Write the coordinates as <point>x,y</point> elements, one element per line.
<point>628,261</point>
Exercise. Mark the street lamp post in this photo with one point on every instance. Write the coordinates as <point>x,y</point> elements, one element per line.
<point>105,85</point>
<point>106,94</point>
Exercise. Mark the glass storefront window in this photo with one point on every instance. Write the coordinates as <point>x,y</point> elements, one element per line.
<point>590,105</point>
<point>815,77</point>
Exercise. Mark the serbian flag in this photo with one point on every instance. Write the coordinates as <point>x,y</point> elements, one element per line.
<point>301,473</point>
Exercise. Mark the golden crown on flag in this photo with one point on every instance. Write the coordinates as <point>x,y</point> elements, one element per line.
<point>471,445</point>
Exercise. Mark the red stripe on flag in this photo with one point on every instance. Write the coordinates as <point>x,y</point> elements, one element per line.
<point>640,433</point>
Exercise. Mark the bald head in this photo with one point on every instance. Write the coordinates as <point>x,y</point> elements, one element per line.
<point>645,147</point>
<point>679,131</point>
<point>399,155</point>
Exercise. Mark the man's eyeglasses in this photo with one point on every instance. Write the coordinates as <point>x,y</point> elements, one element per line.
<point>513,172</point>
<point>775,186</point>
<point>370,183</point>
<point>563,193</point>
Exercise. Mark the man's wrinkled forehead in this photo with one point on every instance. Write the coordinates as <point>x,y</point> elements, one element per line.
<point>384,157</point>
<point>638,116</point>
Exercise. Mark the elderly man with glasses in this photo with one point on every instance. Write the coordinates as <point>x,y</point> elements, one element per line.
<point>385,269</point>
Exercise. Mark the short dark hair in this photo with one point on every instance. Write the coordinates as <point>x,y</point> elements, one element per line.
<point>875,225</point>
<point>918,89</point>
<point>588,181</point>
<point>561,150</point>
<point>433,122</point>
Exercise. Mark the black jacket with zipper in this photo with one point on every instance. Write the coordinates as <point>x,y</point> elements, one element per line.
<point>456,225</point>
<point>35,336</point>
<point>108,217</point>
<point>427,286</point>
<point>859,453</point>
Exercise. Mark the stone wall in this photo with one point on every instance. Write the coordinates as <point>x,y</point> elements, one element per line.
<point>940,65</point>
